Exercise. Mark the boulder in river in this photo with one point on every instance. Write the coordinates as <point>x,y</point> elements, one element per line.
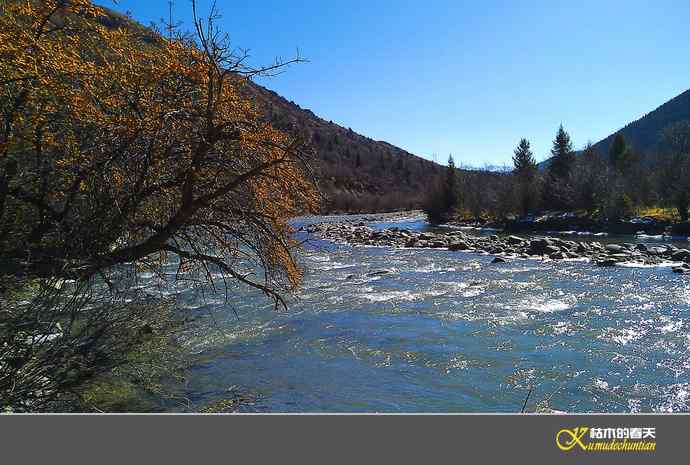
<point>615,248</point>
<point>540,244</point>
<point>550,250</point>
<point>680,255</point>
<point>515,246</point>
<point>656,250</point>
<point>379,272</point>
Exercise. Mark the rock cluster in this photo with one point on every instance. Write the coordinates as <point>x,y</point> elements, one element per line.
<point>505,246</point>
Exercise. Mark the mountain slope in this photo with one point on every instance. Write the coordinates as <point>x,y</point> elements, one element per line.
<point>645,133</point>
<point>354,171</point>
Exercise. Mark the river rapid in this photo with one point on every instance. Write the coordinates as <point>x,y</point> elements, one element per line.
<point>378,329</point>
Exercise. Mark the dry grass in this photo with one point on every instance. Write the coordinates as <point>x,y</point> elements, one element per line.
<point>664,214</point>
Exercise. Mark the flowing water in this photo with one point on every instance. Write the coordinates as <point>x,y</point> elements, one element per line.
<point>377,329</point>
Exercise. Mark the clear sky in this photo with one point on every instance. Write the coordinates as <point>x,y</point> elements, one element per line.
<point>464,77</point>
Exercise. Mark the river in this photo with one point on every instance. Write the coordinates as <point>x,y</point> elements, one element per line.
<point>378,329</point>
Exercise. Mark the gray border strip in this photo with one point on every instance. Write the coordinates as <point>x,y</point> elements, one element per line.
<point>323,438</point>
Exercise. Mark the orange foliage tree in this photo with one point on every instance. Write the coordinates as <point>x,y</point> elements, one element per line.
<point>120,146</point>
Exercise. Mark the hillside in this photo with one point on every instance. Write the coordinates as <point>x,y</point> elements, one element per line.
<point>645,133</point>
<point>353,171</point>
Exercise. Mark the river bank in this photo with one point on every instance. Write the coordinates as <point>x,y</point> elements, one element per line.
<point>506,247</point>
<point>568,222</point>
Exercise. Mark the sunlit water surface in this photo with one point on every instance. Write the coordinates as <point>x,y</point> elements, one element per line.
<point>443,331</point>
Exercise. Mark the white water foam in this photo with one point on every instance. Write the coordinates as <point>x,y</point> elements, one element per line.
<point>545,304</point>
<point>401,296</point>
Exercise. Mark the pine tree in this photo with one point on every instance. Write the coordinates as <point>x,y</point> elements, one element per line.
<point>677,177</point>
<point>443,197</point>
<point>451,188</point>
<point>618,152</point>
<point>523,160</point>
<point>558,187</point>
<point>591,188</point>
<point>563,158</point>
<point>525,169</point>
<point>358,161</point>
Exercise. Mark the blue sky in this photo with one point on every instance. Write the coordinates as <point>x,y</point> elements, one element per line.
<point>464,77</point>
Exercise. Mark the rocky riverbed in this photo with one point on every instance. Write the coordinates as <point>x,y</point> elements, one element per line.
<point>505,248</point>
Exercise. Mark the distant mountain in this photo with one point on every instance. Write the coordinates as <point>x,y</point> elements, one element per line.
<point>645,133</point>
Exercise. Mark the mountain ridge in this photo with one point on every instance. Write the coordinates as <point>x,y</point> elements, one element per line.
<point>353,171</point>
<point>644,134</point>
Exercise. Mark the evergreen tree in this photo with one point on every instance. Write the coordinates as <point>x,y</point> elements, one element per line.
<point>558,188</point>
<point>451,190</point>
<point>591,185</point>
<point>525,170</point>
<point>523,159</point>
<point>443,198</point>
<point>676,180</point>
<point>563,158</point>
<point>358,161</point>
<point>618,152</point>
